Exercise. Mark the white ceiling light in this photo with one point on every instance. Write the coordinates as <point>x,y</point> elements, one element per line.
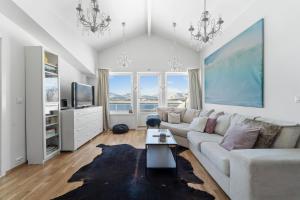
<point>124,60</point>
<point>207,28</point>
<point>93,19</point>
<point>174,62</point>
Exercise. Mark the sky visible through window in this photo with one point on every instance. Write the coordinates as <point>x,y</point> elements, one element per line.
<point>149,85</point>
<point>120,84</point>
<point>177,84</point>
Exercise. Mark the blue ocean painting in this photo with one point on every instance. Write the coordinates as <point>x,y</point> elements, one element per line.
<point>234,73</point>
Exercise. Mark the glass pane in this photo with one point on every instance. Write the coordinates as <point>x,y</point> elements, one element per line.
<point>177,90</point>
<point>149,93</point>
<point>120,93</point>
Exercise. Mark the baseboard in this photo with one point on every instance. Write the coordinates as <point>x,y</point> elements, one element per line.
<point>16,167</point>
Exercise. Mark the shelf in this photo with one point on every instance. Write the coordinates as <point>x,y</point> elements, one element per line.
<point>52,124</point>
<point>51,135</point>
<point>48,116</point>
<point>51,150</point>
<point>51,65</point>
<point>51,74</point>
<point>51,103</point>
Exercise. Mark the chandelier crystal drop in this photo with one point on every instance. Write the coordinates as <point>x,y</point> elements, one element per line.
<point>93,19</point>
<point>123,59</point>
<point>174,62</point>
<point>207,28</point>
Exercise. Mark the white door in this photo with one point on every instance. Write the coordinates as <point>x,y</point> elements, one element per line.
<point>148,97</point>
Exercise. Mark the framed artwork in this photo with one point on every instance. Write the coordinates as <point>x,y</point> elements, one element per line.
<point>234,73</point>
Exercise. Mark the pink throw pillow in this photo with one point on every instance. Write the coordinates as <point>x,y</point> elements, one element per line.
<point>210,125</point>
<point>240,136</point>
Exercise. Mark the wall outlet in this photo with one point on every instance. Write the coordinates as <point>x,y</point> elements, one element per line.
<point>297,99</point>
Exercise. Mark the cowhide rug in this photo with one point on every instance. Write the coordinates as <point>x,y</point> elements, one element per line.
<point>119,174</point>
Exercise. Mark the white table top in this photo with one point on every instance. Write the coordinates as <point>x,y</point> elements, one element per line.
<point>153,137</point>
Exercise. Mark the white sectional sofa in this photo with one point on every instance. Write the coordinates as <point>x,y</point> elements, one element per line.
<point>250,174</point>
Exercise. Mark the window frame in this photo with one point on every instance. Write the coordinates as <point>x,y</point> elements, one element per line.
<point>131,90</point>
<point>166,85</point>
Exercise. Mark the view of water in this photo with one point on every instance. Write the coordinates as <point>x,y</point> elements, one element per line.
<point>127,106</point>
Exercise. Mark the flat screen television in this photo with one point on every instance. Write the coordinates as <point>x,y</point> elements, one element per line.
<point>82,95</point>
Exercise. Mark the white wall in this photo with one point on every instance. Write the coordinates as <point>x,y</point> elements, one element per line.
<point>281,70</point>
<point>147,53</point>
<point>51,31</point>
<point>13,70</point>
<point>69,74</point>
<point>13,139</point>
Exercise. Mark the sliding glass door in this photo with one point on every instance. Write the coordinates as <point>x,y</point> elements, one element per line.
<point>148,95</point>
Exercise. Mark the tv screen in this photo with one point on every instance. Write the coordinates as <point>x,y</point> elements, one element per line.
<point>82,95</point>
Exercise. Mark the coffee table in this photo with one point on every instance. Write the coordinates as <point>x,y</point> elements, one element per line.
<point>160,155</point>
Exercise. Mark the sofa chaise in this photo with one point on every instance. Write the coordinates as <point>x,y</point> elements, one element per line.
<point>248,174</point>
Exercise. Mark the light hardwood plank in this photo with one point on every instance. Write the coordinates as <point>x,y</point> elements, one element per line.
<point>50,180</point>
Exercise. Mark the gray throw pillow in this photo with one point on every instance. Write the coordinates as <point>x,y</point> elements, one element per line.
<point>267,135</point>
<point>240,136</point>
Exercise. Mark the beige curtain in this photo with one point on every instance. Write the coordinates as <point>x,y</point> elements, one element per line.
<point>195,89</point>
<point>103,95</point>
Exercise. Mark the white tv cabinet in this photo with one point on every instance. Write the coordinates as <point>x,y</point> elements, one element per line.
<point>79,126</point>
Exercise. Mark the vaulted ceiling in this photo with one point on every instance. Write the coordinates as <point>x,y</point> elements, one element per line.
<point>141,17</point>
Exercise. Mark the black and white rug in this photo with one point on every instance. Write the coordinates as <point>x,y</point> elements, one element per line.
<point>119,174</point>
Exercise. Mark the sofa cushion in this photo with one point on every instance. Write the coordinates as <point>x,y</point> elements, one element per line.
<point>240,136</point>
<point>198,124</point>
<point>223,123</point>
<point>197,138</point>
<point>288,136</point>
<point>216,114</point>
<point>210,125</point>
<point>176,129</point>
<point>163,113</point>
<point>190,114</point>
<point>237,118</point>
<point>181,111</point>
<point>267,135</point>
<point>206,113</point>
<point>174,118</point>
<point>217,155</point>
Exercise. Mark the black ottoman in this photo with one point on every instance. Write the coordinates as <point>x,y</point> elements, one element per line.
<point>153,122</point>
<point>120,129</point>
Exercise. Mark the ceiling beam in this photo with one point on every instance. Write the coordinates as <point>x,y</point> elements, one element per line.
<point>149,17</point>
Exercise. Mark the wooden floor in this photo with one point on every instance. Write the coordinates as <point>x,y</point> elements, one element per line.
<point>50,180</point>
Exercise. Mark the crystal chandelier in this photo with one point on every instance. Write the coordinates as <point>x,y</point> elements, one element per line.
<point>174,62</point>
<point>124,60</point>
<point>207,27</point>
<point>93,19</point>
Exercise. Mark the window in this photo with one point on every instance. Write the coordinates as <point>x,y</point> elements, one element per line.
<point>120,92</point>
<point>177,88</point>
<point>149,85</point>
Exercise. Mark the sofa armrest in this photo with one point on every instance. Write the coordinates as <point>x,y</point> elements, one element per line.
<point>265,174</point>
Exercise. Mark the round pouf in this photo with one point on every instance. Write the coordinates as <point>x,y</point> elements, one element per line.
<point>120,129</point>
<point>153,122</point>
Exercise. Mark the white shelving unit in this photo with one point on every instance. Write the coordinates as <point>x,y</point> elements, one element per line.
<point>42,105</point>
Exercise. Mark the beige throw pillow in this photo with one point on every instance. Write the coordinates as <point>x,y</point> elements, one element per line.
<point>198,124</point>
<point>174,118</point>
<point>205,113</point>
<point>190,114</point>
<point>223,123</point>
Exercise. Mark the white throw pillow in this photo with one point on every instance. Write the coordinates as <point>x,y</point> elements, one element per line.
<point>174,118</point>
<point>198,124</point>
<point>223,123</point>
